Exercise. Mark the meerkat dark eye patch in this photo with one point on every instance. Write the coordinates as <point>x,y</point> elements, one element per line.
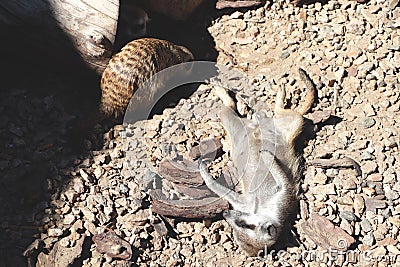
<point>243,224</point>
<point>269,229</point>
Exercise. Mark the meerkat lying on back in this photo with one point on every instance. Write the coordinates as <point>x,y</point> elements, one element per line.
<point>263,152</point>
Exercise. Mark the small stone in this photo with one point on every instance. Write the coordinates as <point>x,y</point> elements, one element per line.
<point>393,250</point>
<point>366,225</point>
<point>354,52</point>
<point>320,178</point>
<point>381,53</point>
<point>345,225</point>
<point>69,219</point>
<point>392,195</point>
<point>116,154</point>
<point>343,137</point>
<point>351,83</point>
<point>369,191</point>
<point>285,54</point>
<point>369,167</point>
<point>365,155</point>
<point>240,24</point>
<point>304,210</point>
<point>98,172</point>
<point>381,231</point>
<point>360,60</point>
<point>372,204</point>
<point>349,184</point>
<point>65,209</point>
<point>328,189</point>
<point>85,176</point>
<point>324,233</point>
<point>367,122</point>
<point>236,15</point>
<point>369,110</point>
<point>352,71</point>
<point>88,214</point>
<point>78,225</point>
<point>386,213</point>
<point>345,200</point>
<point>348,215</point>
<point>388,241</point>
<point>90,227</point>
<point>340,74</point>
<point>186,251</point>
<point>198,238</point>
<point>395,220</point>
<point>359,204</point>
<point>54,232</point>
<point>375,177</point>
<point>123,189</point>
<point>78,185</point>
<point>368,239</point>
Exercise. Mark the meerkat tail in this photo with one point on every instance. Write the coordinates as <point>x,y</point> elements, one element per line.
<point>310,95</point>
<point>225,98</point>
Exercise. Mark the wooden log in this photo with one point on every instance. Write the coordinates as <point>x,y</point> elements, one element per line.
<point>67,32</point>
<point>210,148</point>
<point>221,4</point>
<point>186,173</point>
<point>187,208</point>
<point>345,162</point>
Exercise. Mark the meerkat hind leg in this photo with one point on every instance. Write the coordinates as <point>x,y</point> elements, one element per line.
<point>288,121</point>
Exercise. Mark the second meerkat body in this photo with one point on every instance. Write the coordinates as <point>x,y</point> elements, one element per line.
<point>263,152</point>
<point>130,68</point>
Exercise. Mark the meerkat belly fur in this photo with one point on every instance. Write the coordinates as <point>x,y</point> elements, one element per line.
<point>130,68</point>
<point>263,152</point>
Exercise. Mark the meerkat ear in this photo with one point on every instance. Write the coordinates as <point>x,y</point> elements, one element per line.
<point>269,229</point>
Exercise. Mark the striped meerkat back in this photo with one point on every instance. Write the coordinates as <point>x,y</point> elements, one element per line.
<point>130,68</point>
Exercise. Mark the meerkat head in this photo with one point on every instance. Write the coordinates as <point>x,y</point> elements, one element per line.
<point>133,21</point>
<point>253,233</point>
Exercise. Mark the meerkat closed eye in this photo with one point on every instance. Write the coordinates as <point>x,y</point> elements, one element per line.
<point>263,152</point>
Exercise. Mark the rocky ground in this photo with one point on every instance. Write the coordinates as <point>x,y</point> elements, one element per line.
<point>93,209</point>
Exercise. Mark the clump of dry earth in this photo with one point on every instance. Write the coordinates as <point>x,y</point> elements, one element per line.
<point>352,53</point>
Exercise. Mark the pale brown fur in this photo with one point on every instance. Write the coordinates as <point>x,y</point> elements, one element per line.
<point>263,152</point>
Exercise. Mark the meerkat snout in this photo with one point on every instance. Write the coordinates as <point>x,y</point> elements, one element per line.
<point>138,20</point>
<point>132,24</point>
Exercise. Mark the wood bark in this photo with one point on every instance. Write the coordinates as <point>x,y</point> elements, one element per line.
<point>221,4</point>
<point>186,173</point>
<point>345,162</point>
<point>208,207</point>
<point>64,31</point>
